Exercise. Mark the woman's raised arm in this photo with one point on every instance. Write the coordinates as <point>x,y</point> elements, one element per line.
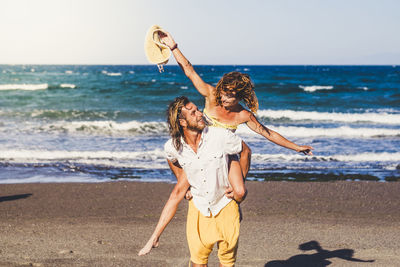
<point>204,88</point>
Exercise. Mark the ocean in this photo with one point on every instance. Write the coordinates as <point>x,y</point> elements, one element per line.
<point>86,123</point>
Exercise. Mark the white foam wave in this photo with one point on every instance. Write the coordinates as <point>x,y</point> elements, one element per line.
<point>107,127</point>
<point>363,157</point>
<point>28,87</point>
<point>78,179</point>
<point>380,118</point>
<point>156,158</point>
<point>69,72</point>
<point>68,85</point>
<point>110,127</point>
<point>314,88</point>
<point>111,73</point>
<point>32,156</point>
<point>343,131</point>
<point>45,179</point>
<point>147,162</point>
<point>114,74</point>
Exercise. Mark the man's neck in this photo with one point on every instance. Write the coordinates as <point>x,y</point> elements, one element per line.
<point>192,138</point>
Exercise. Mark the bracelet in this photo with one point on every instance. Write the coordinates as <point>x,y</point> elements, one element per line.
<point>174,47</point>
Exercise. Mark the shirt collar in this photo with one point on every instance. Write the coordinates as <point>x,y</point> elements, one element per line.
<point>204,132</point>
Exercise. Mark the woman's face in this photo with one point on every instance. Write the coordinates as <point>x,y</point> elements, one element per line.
<point>228,98</point>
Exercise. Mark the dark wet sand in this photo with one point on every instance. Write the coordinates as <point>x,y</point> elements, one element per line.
<point>105,224</point>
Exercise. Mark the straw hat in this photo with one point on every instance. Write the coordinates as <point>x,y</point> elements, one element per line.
<point>156,52</point>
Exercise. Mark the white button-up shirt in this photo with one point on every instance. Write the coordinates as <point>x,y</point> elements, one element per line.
<point>207,170</point>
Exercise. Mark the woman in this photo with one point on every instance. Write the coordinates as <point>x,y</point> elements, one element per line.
<point>222,104</point>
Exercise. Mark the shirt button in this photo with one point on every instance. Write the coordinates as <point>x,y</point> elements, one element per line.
<point>201,169</point>
<point>204,181</point>
<point>207,192</point>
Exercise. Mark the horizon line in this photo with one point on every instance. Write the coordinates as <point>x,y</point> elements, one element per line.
<point>103,64</point>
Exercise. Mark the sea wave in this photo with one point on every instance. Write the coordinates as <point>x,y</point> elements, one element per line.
<point>56,155</point>
<point>77,179</point>
<point>111,73</point>
<point>68,85</point>
<point>153,127</point>
<point>60,115</point>
<point>156,158</point>
<point>28,87</point>
<point>314,88</point>
<point>342,132</point>
<point>106,127</point>
<point>371,117</point>
<point>362,157</point>
<point>78,160</point>
<point>47,179</point>
<point>129,128</point>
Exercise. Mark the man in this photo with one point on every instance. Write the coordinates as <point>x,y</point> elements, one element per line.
<point>198,156</point>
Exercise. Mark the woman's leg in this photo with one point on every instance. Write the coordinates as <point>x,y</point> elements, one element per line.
<point>245,160</point>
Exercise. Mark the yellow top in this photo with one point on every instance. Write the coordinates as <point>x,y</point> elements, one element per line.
<point>212,121</point>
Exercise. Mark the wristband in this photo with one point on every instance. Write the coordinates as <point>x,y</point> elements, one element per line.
<point>174,47</point>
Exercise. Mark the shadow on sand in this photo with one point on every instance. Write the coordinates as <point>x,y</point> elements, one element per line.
<point>318,259</point>
<point>14,197</point>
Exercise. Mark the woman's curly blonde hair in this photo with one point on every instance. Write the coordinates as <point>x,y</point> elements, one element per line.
<point>241,84</point>
<point>173,116</point>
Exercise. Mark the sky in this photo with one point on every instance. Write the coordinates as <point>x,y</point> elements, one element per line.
<point>279,32</point>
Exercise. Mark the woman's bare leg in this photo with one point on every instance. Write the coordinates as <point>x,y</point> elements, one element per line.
<point>245,160</point>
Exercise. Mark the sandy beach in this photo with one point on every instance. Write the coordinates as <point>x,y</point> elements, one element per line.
<point>285,224</point>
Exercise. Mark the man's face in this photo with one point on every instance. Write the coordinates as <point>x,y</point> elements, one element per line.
<point>193,118</point>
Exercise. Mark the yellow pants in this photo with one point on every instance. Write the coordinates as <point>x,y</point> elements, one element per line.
<point>203,232</point>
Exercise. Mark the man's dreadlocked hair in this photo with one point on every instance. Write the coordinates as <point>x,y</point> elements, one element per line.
<point>242,85</point>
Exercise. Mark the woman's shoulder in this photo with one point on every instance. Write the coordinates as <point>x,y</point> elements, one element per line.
<point>243,114</point>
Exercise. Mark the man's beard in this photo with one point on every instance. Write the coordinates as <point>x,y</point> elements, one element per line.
<point>195,127</point>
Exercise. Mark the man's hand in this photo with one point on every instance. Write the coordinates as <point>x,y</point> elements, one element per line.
<point>306,150</point>
<point>166,38</point>
<point>152,243</point>
<point>229,192</point>
<point>188,195</point>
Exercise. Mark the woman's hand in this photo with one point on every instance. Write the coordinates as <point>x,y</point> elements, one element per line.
<point>306,150</point>
<point>166,38</point>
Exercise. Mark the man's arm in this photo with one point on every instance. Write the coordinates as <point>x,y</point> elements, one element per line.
<point>169,210</point>
<point>177,170</point>
<point>204,88</point>
<point>180,174</point>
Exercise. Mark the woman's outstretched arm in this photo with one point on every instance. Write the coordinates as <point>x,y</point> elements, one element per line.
<point>169,210</point>
<point>275,137</point>
<point>204,88</point>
